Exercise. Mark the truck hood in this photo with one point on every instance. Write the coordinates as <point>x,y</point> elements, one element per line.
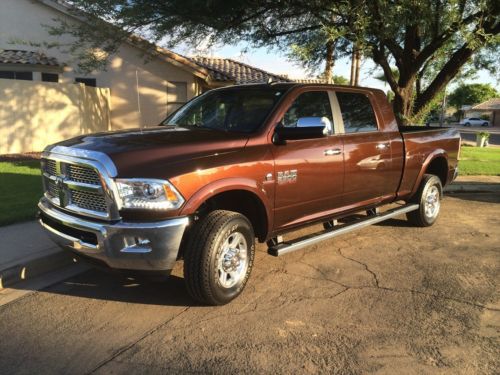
<point>137,152</point>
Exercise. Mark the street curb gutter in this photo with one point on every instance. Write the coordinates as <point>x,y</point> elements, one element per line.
<point>26,269</point>
<point>472,188</point>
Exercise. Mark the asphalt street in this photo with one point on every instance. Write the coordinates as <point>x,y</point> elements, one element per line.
<point>388,299</point>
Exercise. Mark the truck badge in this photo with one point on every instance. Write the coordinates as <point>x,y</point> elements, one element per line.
<point>287,176</point>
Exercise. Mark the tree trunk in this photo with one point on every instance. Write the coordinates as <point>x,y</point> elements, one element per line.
<point>403,104</point>
<point>353,66</point>
<point>358,67</point>
<point>329,60</point>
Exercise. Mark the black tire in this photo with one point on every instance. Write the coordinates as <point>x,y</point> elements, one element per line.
<point>428,211</point>
<point>467,124</point>
<point>209,258</point>
<point>485,124</point>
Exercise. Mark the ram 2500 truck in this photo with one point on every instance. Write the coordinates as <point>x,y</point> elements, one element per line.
<point>238,164</point>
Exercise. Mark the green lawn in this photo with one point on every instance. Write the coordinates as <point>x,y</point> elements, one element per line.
<point>479,161</point>
<point>20,190</point>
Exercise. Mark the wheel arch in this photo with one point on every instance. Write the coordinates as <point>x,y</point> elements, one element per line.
<point>436,164</point>
<point>238,195</point>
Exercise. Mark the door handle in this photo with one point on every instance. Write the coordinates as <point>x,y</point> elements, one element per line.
<point>382,146</point>
<point>333,151</point>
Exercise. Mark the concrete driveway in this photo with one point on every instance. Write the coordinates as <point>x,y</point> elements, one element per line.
<point>388,299</point>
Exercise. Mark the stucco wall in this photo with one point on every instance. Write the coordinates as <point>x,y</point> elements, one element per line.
<point>127,74</point>
<point>35,114</point>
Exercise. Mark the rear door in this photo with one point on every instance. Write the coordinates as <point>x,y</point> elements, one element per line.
<point>367,151</point>
<point>309,173</point>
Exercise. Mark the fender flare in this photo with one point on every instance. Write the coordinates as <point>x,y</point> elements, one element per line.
<point>432,156</point>
<point>229,184</point>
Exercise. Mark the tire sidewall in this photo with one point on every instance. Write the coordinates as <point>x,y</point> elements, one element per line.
<point>237,224</point>
<point>431,181</point>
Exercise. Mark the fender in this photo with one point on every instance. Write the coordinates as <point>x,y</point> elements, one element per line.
<point>433,155</point>
<point>228,184</point>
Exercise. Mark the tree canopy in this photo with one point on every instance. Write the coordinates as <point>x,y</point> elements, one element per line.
<point>419,45</point>
<point>471,94</point>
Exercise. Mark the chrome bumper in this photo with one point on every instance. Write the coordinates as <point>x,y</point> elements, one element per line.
<point>123,245</point>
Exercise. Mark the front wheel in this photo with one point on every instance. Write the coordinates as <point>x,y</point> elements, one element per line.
<point>428,198</point>
<point>219,257</point>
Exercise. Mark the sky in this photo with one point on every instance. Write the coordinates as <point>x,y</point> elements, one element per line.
<point>277,63</point>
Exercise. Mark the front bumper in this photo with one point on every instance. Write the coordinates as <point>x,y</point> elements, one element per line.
<point>122,245</point>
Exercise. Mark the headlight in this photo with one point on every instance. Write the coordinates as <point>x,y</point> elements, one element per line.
<point>148,194</point>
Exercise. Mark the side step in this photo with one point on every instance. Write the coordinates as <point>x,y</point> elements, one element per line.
<point>296,244</point>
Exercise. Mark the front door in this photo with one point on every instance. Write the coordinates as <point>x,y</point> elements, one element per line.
<point>308,172</point>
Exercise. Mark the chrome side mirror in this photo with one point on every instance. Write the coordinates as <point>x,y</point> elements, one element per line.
<point>307,122</point>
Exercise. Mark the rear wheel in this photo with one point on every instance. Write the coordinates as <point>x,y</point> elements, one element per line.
<point>219,257</point>
<point>467,124</point>
<point>428,198</point>
<point>485,124</point>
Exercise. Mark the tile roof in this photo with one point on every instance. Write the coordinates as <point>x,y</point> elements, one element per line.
<point>488,105</point>
<point>228,70</point>
<point>12,56</point>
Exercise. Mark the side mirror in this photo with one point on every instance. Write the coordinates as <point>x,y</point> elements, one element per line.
<point>307,128</point>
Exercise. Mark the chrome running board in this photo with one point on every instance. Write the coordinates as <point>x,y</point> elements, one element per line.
<point>297,244</point>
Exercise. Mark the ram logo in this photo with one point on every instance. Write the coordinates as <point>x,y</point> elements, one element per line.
<point>287,176</point>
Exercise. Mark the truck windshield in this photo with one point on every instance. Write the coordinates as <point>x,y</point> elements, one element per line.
<point>241,110</point>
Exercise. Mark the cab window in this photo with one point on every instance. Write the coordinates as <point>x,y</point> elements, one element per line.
<point>308,104</point>
<point>357,112</point>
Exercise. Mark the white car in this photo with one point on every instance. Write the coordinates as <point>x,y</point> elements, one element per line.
<point>473,121</point>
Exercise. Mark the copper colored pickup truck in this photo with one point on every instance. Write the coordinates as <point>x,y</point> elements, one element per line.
<point>238,164</point>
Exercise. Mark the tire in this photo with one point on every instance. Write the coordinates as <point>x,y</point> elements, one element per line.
<point>485,124</point>
<point>428,197</point>
<point>219,257</point>
<point>467,124</point>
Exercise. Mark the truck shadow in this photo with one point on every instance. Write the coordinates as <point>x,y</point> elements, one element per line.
<point>100,285</point>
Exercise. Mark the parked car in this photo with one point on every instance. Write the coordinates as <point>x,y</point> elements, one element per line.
<point>474,121</point>
<point>236,164</point>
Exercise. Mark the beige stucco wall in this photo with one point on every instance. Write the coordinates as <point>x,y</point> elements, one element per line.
<point>127,75</point>
<point>36,114</point>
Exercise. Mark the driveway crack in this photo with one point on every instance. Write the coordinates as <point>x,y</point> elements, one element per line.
<point>141,338</point>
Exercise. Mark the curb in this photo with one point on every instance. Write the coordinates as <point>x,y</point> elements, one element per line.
<point>472,188</point>
<point>26,269</point>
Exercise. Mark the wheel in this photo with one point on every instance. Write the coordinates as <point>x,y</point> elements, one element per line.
<point>485,124</point>
<point>218,257</point>
<point>428,197</point>
<point>467,124</point>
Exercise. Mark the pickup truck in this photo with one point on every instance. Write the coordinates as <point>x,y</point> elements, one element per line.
<point>238,164</point>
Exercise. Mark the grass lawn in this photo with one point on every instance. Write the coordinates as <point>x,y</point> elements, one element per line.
<point>20,190</point>
<point>479,161</point>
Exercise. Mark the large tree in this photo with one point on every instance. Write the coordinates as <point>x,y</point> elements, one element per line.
<point>428,42</point>
<point>471,94</point>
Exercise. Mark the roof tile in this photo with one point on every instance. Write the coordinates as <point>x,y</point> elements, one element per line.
<point>229,70</point>
<point>12,56</point>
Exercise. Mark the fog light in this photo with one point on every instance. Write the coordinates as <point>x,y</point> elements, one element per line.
<point>136,245</point>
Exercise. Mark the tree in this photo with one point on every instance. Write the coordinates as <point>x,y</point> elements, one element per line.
<point>471,94</point>
<point>429,42</point>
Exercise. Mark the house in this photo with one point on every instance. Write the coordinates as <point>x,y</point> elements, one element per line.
<point>490,108</point>
<point>141,93</point>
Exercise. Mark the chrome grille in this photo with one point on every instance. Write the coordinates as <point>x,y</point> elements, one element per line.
<point>88,200</point>
<point>52,189</point>
<point>82,174</point>
<point>50,167</point>
<point>75,188</point>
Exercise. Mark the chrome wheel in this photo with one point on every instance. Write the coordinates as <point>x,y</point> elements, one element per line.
<point>432,202</point>
<point>232,260</point>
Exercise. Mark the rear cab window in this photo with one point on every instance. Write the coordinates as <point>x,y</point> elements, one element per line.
<point>357,112</point>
